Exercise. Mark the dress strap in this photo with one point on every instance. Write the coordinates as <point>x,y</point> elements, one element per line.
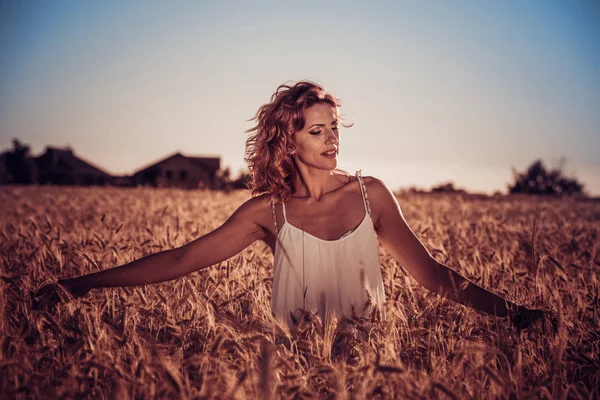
<point>363,191</point>
<point>283,207</point>
<point>274,217</point>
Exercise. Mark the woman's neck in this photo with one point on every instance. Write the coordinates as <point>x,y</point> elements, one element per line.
<point>314,183</point>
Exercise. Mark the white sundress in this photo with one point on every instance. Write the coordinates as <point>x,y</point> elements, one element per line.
<point>338,276</point>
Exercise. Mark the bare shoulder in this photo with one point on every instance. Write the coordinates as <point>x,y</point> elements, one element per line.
<point>255,205</point>
<point>376,187</point>
<point>256,209</point>
<point>381,198</point>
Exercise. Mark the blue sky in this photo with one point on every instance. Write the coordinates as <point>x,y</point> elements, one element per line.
<point>439,91</point>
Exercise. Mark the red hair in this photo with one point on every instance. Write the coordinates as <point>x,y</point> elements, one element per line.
<point>270,142</point>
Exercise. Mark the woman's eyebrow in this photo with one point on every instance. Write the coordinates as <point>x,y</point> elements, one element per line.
<point>332,123</point>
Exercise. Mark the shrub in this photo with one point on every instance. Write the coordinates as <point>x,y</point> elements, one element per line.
<point>447,188</point>
<point>19,165</point>
<point>538,180</point>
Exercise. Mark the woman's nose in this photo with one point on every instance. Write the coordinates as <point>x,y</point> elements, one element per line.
<point>331,136</point>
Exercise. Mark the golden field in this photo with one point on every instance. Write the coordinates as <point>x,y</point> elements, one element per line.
<point>211,335</point>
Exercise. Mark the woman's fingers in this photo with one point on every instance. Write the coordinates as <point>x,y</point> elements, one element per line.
<point>525,318</point>
<point>46,297</point>
<point>49,296</point>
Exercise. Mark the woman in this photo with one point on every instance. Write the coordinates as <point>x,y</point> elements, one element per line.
<point>321,224</point>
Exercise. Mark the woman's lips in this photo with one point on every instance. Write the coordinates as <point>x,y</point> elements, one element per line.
<point>330,154</point>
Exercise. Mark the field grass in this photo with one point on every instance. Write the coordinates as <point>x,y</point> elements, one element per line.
<point>211,334</point>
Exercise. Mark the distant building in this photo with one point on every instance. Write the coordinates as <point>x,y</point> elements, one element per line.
<point>60,166</point>
<point>181,171</point>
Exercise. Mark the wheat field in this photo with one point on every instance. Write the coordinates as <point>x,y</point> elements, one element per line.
<point>211,334</point>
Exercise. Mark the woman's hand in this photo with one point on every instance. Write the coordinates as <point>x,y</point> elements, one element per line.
<point>50,295</point>
<point>525,318</point>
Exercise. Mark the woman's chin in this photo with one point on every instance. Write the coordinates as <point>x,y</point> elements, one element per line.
<point>332,165</point>
<point>331,161</point>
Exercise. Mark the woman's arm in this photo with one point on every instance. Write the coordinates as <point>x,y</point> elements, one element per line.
<point>238,232</point>
<point>397,237</point>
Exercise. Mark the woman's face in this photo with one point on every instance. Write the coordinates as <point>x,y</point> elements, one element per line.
<point>317,144</point>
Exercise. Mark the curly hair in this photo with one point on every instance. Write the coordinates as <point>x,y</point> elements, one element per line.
<point>270,143</point>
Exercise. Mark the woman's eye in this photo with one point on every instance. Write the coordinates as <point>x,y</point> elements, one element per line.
<point>314,133</point>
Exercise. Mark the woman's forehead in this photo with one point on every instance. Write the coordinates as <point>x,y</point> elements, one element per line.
<point>321,111</point>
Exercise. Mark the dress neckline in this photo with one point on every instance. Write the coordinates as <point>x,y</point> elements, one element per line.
<point>347,235</point>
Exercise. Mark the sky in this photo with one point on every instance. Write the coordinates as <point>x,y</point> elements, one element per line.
<point>438,91</point>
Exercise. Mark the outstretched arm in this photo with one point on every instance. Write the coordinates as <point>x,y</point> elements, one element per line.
<point>397,237</point>
<point>238,232</point>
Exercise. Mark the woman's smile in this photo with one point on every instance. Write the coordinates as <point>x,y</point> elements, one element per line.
<point>330,154</point>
